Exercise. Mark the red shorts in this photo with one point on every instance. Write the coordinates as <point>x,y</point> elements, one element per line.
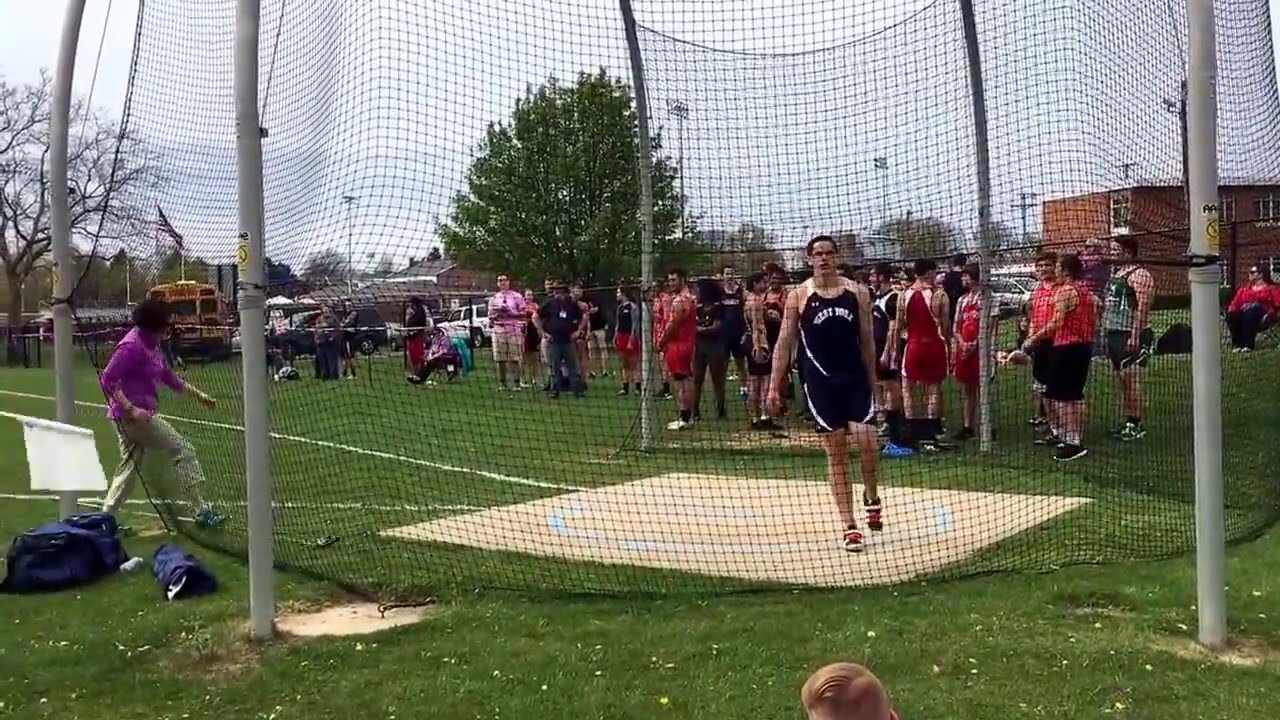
<point>966,369</point>
<point>626,343</point>
<point>925,363</point>
<point>679,360</point>
<point>417,349</point>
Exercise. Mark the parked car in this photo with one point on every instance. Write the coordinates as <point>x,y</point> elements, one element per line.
<point>1011,293</point>
<point>299,337</point>
<point>471,323</point>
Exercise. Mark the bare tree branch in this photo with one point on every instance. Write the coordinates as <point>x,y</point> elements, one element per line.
<point>99,201</point>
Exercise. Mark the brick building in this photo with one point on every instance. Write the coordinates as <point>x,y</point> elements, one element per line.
<point>1156,215</point>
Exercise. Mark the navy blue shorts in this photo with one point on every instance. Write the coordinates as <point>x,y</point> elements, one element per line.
<point>837,402</point>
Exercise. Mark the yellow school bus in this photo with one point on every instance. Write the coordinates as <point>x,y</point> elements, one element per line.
<point>201,320</point>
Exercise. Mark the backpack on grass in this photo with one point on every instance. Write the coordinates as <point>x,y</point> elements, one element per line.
<point>61,555</point>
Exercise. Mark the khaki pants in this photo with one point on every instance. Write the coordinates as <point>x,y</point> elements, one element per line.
<point>152,440</point>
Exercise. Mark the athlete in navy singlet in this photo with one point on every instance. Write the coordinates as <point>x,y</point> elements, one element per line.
<point>829,317</point>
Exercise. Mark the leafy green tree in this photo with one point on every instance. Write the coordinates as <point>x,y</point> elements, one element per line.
<point>926,237</point>
<point>555,190</point>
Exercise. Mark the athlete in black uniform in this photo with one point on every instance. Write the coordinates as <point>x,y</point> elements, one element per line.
<point>734,302</point>
<point>830,316</point>
<point>884,315</point>
<point>773,304</point>
<point>755,343</point>
<point>709,347</point>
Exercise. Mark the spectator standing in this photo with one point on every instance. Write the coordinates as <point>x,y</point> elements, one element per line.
<point>562,324</point>
<point>709,347</point>
<point>348,339</point>
<point>626,340</point>
<point>597,345</point>
<point>1127,334</point>
<point>952,284</point>
<point>507,319</point>
<point>329,335</point>
<point>416,319</point>
<point>1252,309</point>
<point>735,324</point>
<point>531,367</point>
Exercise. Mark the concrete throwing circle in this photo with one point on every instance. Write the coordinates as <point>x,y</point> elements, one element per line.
<point>709,526</point>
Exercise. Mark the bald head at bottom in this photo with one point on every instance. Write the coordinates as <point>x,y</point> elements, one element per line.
<point>845,691</point>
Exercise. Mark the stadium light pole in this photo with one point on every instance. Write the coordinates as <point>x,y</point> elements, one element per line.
<point>681,111</point>
<point>1026,201</point>
<point>348,201</point>
<point>251,255</point>
<point>1206,347</point>
<point>60,228</point>
<point>646,219</point>
<point>1179,107</point>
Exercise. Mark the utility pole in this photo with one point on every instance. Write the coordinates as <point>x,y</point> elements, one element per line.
<point>1026,201</point>
<point>681,111</point>
<point>1179,107</point>
<point>349,200</point>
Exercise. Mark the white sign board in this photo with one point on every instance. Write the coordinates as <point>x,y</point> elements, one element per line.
<point>61,457</point>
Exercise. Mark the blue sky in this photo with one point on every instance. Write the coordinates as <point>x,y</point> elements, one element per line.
<point>385,100</point>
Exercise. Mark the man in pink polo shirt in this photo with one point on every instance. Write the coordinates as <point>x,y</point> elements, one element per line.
<point>506,319</point>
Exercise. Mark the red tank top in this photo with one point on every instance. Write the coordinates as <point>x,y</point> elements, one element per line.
<point>687,331</point>
<point>970,317</point>
<point>661,312</point>
<point>1041,306</point>
<point>922,327</point>
<point>1080,321</point>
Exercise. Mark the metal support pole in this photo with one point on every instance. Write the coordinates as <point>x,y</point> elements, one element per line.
<point>646,222</point>
<point>1206,346</point>
<point>60,221</point>
<point>982,157</point>
<point>253,321</point>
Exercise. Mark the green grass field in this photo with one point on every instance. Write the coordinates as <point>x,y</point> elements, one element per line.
<point>353,458</point>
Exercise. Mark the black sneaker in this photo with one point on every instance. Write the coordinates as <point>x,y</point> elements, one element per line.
<point>1067,452</point>
<point>1132,431</point>
<point>1048,440</point>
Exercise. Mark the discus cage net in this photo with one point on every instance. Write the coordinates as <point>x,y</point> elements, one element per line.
<point>423,151</point>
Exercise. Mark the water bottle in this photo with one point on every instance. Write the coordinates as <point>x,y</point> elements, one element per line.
<point>132,564</point>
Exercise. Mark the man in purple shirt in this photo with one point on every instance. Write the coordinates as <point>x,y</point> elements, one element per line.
<point>131,382</point>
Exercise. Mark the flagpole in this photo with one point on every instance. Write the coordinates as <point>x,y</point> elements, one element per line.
<point>182,264</point>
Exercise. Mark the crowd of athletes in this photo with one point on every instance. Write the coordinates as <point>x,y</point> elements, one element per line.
<point>1089,308</point>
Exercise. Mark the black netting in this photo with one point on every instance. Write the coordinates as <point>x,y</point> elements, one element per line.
<point>421,152</point>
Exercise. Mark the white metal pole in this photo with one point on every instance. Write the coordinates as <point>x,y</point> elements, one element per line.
<point>1206,346</point>
<point>977,94</point>
<point>646,223</point>
<point>60,221</point>
<point>252,304</point>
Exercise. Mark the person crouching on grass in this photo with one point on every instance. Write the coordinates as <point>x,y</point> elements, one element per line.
<point>845,691</point>
<point>965,344</point>
<point>131,382</point>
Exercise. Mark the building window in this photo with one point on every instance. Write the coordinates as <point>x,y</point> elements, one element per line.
<point>1120,211</point>
<point>1267,207</point>
<point>1227,210</point>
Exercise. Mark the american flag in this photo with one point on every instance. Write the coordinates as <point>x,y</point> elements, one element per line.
<point>163,225</point>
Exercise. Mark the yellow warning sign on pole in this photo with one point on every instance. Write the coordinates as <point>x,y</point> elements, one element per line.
<point>242,253</point>
<point>1211,234</point>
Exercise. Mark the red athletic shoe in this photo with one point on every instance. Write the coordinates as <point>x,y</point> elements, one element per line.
<point>873,508</point>
<point>853,540</point>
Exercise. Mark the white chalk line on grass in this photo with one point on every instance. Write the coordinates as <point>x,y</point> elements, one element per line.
<point>339,446</point>
<point>92,501</point>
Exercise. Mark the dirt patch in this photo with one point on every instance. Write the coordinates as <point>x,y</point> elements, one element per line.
<point>216,654</point>
<point>1097,604</point>
<point>1240,652</point>
<point>354,618</point>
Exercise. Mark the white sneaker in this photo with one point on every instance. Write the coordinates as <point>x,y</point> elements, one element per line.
<point>678,424</point>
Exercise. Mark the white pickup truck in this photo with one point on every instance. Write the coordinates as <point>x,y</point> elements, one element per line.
<point>471,323</point>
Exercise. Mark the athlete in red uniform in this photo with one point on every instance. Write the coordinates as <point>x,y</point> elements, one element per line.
<point>965,344</point>
<point>922,311</point>
<point>676,344</point>
<point>1072,329</point>
<point>661,303</point>
<point>1041,311</point>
